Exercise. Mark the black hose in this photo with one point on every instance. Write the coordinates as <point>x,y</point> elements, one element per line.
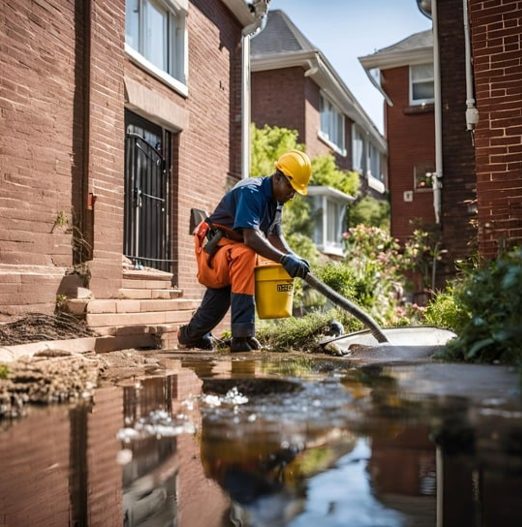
<point>344,303</point>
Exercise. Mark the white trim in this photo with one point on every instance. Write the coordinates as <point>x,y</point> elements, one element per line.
<point>161,75</point>
<point>320,190</point>
<point>329,144</point>
<point>241,11</point>
<point>376,184</point>
<point>396,59</point>
<point>331,249</point>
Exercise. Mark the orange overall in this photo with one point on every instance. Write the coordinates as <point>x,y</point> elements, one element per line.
<point>228,275</point>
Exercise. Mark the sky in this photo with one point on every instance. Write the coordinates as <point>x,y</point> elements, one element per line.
<point>347,29</point>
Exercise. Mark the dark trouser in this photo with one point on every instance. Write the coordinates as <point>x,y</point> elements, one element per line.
<point>214,307</point>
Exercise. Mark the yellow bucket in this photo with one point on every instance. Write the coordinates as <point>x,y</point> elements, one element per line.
<point>274,291</point>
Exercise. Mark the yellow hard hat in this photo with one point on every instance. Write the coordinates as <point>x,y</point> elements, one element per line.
<point>296,166</point>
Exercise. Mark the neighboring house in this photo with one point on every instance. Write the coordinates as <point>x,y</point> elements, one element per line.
<point>475,123</point>
<point>404,73</point>
<point>117,118</point>
<point>294,86</point>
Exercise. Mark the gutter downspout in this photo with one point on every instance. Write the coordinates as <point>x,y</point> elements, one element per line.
<point>472,114</point>
<point>437,179</point>
<point>250,31</point>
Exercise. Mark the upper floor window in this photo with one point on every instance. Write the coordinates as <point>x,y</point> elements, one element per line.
<point>421,84</point>
<point>155,29</point>
<point>358,150</point>
<point>375,162</point>
<point>332,126</point>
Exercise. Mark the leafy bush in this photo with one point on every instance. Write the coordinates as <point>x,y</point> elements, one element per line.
<point>370,211</point>
<point>444,311</point>
<point>326,173</point>
<point>488,319</point>
<point>268,143</point>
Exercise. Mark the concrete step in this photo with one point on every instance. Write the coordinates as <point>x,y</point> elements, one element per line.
<point>150,293</point>
<point>163,336</point>
<point>133,274</point>
<point>141,306</point>
<point>134,283</point>
<point>79,306</point>
<point>99,320</point>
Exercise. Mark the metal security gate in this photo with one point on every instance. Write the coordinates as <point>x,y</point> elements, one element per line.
<point>147,198</point>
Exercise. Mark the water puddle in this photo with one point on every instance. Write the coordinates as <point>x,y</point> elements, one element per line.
<point>280,441</point>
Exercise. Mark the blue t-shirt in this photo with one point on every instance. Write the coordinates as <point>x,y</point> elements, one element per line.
<point>250,204</point>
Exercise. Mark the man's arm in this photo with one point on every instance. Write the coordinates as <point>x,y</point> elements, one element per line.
<point>279,242</point>
<point>254,239</point>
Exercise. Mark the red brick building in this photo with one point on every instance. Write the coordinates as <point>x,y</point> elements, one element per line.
<point>479,165</point>
<point>116,118</point>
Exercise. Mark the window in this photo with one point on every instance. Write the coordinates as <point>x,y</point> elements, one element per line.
<point>155,37</point>
<point>329,213</point>
<point>422,174</point>
<point>332,126</point>
<point>358,150</point>
<point>421,84</point>
<point>375,162</point>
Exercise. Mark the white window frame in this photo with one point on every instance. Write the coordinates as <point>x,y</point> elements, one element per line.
<point>358,165</point>
<point>325,135</point>
<point>416,102</point>
<point>178,46</point>
<point>322,197</point>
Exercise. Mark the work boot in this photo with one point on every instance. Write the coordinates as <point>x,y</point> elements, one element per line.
<point>203,343</point>
<point>239,344</point>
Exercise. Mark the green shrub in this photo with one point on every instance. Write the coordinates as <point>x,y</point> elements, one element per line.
<point>489,316</point>
<point>444,311</point>
<point>370,211</point>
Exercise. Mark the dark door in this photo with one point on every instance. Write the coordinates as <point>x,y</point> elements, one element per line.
<point>147,186</point>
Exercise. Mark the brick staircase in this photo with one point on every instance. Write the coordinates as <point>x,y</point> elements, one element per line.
<point>147,313</point>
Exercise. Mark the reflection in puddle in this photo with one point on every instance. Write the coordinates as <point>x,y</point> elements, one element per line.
<point>270,443</point>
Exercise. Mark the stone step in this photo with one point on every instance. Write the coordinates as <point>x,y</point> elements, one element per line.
<point>80,306</point>
<point>134,274</point>
<point>141,306</point>
<point>98,320</point>
<point>134,283</point>
<point>143,294</point>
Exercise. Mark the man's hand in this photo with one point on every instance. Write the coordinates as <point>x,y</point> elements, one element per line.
<point>295,266</point>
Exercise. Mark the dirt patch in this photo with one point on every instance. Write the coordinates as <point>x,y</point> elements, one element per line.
<point>35,327</point>
<point>54,376</point>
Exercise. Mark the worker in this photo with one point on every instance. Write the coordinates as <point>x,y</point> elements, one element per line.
<point>245,224</point>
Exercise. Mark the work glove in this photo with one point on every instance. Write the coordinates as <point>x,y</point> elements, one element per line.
<point>295,266</point>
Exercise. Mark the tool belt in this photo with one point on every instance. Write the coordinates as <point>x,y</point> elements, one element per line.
<point>214,234</point>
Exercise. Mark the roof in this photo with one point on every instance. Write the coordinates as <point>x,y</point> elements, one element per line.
<point>279,36</point>
<point>411,50</point>
<point>282,45</point>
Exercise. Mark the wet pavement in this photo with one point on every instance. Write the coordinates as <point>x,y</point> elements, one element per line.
<point>273,440</point>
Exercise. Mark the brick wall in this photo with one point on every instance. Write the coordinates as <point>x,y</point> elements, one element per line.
<point>496,30</point>
<point>459,181</point>
<point>209,150</point>
<point>411,141</point>
<point>62,137</point>
<point>105,164</point>
<point>41,146</point>
<point>278,99</point>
